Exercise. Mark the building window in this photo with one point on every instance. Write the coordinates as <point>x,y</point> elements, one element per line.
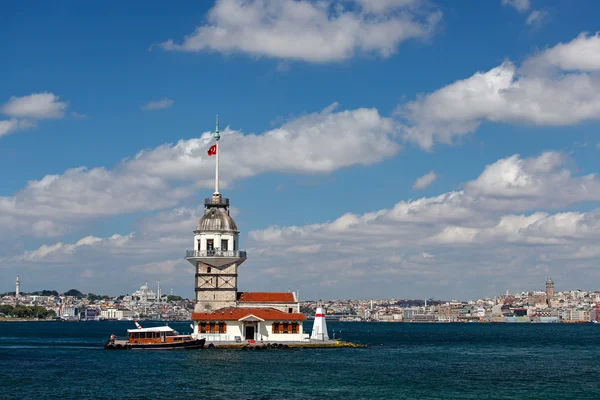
<point>286,327</point>
<point>290,310</point>
<point>224,244</point>
<point>275,327</point>
<point>213,327</point>
<point>210,244</point>
<point>294,327</point>
<point>208,269</point>
<point>199,245</point>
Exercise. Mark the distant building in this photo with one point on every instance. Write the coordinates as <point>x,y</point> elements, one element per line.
<point>549,291</point>
<point>144,294</point>
<point>113,313</point>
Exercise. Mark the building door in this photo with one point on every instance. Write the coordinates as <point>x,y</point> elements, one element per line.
<point>249,332</point>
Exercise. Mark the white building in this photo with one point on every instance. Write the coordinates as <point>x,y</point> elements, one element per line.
<point>249,323</point>
<point>113,313</point>
<point>144,295</point>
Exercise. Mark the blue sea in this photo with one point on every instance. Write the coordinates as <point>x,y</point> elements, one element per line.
<point>65,360</point>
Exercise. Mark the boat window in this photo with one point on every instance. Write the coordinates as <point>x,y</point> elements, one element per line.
<point>142,335</point>
<point>135,335</point>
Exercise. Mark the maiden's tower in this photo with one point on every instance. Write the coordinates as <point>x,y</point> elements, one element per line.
<point>222,312</point>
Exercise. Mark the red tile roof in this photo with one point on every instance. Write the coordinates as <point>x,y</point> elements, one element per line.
<point>237,313</point>
<point>266,297</point>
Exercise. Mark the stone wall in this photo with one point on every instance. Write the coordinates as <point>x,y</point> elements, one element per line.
<point>216,287</point>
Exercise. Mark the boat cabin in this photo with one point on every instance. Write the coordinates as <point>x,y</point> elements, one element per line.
<point>159,334</point>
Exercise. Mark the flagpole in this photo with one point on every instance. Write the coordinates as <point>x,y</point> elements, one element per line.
<point>217,137</point>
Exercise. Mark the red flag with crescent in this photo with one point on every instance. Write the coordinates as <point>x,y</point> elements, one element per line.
<point>212,150</point>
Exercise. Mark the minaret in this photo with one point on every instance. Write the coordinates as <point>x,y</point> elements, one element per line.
<point>549,291</point>
<point>159,294</point>
<point>216,254</point>
<point>17,287</point>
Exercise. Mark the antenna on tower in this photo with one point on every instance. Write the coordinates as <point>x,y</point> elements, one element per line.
<point>217,137</point>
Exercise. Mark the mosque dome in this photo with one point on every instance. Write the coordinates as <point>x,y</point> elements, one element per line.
<point>215,219</point>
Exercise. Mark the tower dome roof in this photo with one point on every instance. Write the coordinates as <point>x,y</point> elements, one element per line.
<point>215,219</point>
<point>549,280</point>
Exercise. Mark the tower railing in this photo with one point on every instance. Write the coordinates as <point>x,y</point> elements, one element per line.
<point>214,253</point>
<point>216,201</point>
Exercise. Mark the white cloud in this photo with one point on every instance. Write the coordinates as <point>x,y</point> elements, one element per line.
<point>25,111</point>
<point>59,251</point>
<point>534,182</point>
<point>425,180</point>
<point>580,54</point>
<point>10,125</point>
<point>537,17</point>
<point>162,177</point>
<point>315,143</point>
<point>472,233</point>
<point>158,105</point>
<point>77,115</point>
<point>450,243</point>
<point>506,95</point>
<point>382,6</point>
<point>35,106</point>
<point>160,268</point>
<point>316,32</point>
<point>519,5</point>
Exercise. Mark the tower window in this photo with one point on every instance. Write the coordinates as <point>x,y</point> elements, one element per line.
<point>235,245</point>
<point>224,245</point>
<point>210,244</point>
<point>208,269</point>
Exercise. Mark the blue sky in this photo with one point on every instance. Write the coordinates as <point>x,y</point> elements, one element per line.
<point>333,111</point>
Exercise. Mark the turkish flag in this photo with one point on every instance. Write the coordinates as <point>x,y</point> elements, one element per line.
<point>212,150</point>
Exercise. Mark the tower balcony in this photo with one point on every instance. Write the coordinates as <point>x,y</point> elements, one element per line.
<point>217,258</point>
<point>216,201</point>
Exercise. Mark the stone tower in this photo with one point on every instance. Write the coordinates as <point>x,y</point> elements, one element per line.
<point>17,287</point>
<point>549,291</point>
<point>216,255</point>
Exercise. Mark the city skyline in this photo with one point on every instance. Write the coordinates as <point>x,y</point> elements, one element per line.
<point>425,299</point>
<point>422,148</point>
